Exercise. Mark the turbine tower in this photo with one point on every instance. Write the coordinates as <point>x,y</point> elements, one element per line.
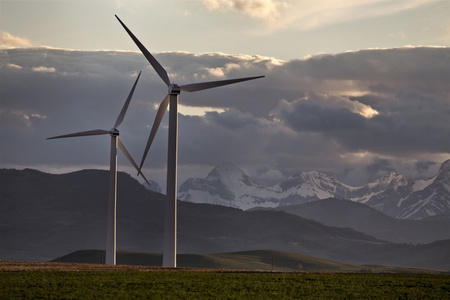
<point>112,200</point>
<point>170,222</point>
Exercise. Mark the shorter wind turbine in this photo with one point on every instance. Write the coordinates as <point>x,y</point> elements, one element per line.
<point>112,200</point>
<point>170,222</point>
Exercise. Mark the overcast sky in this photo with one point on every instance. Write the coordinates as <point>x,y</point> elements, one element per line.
<point>352,88</point>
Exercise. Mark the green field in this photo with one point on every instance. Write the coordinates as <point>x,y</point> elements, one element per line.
<point>268,260</point>
<point>192,285</point>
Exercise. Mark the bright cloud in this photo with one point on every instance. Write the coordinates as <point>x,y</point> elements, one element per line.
<point>9,41</point>
<point>44,69</point>
<point>267,10</point>
<point>308,14</point>
<point>20,118</point>
<point>132,6</point>
<point>401,34</point>
<point>14,66</point>
<point>197,111</point>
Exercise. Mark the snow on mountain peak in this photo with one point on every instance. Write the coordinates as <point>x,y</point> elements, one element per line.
<point>391,180</point>
<point>308,186</point>
<point>445,167</point>
<point>298,179</point>
<point>393,194</point>
<point>226,185</point>
<point>229,175</point>
<point>224,169</point>
<point>389,177</point>
<point>422,184</point>
<point>444,173</point>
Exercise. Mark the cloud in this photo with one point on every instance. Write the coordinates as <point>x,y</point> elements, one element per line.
<point>379,167</point>
<point>395,129</point>
<point>9,41</point>
<point>133,6</point>
<point>307,115</point>
<point>44,69</point>
<point>354,114</point>
<point>401,34</point>
<point>21,118</point>
<point>306,15</point>
<point>13,66</point>
<point>267,10</point>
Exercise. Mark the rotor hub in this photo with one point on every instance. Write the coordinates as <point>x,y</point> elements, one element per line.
<point>174,89</point>
<point>114,132</point>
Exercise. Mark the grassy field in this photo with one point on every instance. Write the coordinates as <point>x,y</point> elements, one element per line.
<point>268,260</point>
<point>262,274</point>
<point>211,285</point>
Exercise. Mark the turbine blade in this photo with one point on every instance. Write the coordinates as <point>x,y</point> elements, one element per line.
<point>212,84</point>
<point>127,154</point>
<point>125,106</point>
<point>159,116</point>
<point>155,64</point>
<point>83,133</point>
<point>145,179</point>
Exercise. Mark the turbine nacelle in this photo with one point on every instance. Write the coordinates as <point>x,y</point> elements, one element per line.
<point>174,89</point>
<point>114,132</point>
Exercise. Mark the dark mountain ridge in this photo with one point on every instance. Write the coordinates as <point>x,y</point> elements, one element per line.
<point>44,216</point>
<point>360,217</point>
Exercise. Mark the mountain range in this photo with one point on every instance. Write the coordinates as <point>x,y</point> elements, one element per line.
<point>393,194</point>
<point>363,218</point>
<point>45,216</point>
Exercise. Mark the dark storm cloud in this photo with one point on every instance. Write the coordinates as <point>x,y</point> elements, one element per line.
<point>48,92</point>
<point>408,122</point>
<point>217,136</point>
<point>317,113</point>
<point>376,72</point>
<point>379,167</point>
<point>310,116</point>
<point>231,119</point>
<point>423,166</point>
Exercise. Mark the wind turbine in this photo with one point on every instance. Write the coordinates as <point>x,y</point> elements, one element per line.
<point>170,222</point>
<point>112,200</point>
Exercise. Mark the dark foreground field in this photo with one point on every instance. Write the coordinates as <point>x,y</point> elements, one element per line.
<point>32,280</point>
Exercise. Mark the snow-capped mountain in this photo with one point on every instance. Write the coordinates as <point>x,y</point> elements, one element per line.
<point>385,194</point>
<point>310,186</point>
<point>392,194</point>
<point>432,199</point>
<point>227,185</point>
<point>154,186</point>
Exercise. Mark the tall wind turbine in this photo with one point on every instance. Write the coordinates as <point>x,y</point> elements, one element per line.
<point>112,200</point>
<point>170,222</point>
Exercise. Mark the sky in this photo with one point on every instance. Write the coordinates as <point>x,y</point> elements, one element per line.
<point>352,88</point>
<point>281,29</point>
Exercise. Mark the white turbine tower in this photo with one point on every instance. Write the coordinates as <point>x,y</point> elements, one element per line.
<point>112,200</point>
<point>170,222</point>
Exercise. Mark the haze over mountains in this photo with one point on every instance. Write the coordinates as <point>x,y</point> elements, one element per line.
<point>393,194</point>
<point>346,213</point>
<point>45,216</point>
